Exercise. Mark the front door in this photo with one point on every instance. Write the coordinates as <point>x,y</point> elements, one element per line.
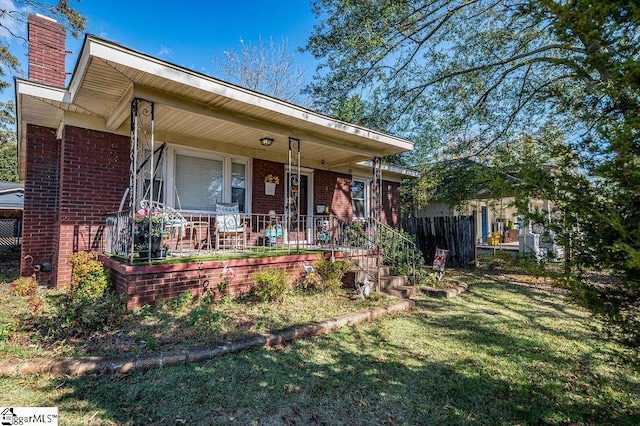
<point>298,206</point>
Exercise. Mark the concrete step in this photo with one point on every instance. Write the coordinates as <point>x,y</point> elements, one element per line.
<point>382,270</point>
<point>391,281</point>
<point>402,292</point>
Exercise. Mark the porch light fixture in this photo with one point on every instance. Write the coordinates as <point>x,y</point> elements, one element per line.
<point>266,141</point>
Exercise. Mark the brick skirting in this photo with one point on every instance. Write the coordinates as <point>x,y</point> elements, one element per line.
<point>146,284</point>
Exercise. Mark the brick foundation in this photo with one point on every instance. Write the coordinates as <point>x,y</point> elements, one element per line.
<point>151,283</point>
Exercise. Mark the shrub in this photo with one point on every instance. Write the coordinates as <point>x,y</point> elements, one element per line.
<point>81,316</point>
<point>24,286</point>
<point>400,251</point>
<point>272,284</point>
<point>87,306</point>
<point>311,280</point>
<point>89,279</point>
<point>181,301</point>
<point>331,273</point>
<point>7,330</point>
<point>530,264</point>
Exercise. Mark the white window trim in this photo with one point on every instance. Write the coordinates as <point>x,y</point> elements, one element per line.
<point>226,159</point>
<point>367,196</point>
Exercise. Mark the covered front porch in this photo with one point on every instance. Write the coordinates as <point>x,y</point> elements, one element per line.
<point>161,163</point>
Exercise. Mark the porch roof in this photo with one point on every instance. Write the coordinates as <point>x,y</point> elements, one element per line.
<point>191,109</point>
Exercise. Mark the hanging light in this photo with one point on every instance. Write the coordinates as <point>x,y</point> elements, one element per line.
<point>266,141</point>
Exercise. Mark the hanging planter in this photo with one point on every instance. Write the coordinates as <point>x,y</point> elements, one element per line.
<point>269,188</point>
<point>270,182</point>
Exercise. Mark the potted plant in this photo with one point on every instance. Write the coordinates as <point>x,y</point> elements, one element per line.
<point>270,182</point>
<point>148,233</point>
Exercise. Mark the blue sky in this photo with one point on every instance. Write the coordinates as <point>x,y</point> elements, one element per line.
<point>191,33</point>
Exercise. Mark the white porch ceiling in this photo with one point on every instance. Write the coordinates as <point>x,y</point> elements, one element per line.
<point>194,109</point>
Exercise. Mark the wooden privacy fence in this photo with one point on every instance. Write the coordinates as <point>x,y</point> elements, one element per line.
<point>453,233</point>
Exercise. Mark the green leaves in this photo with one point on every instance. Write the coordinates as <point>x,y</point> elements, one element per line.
<point>545,91</point>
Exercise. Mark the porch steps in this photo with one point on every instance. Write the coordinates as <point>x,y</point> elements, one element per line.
<point>394,285</point>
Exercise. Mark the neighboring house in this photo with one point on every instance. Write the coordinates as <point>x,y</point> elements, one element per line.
<point>11,205</point>
<point>491,215</point>
<point>80,147</point>
<point>11,199</point>
<point>497,221</point>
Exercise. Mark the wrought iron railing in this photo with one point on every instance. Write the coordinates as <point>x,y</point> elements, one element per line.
<point>202,234</point>
<point>367,243</point>
<point>371,244</point>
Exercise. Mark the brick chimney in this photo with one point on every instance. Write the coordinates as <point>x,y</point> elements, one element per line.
<point>46,50</point>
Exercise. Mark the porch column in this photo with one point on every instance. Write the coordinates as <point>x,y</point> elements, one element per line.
<point>292,215</point>
<point>376,189</point>
<point>142,126</point>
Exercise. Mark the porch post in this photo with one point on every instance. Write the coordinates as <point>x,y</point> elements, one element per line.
<point>376,190</point>
<point>142,124</point>
<point>133,166</point>
<point>293,193</point>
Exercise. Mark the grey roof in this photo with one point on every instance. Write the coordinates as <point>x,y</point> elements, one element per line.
<point>8,186</point>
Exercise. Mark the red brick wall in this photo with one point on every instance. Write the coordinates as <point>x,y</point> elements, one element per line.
<point>261,203</point>
<point>148,284</point>
<point>391,203</point>
<point>46,51</point>
<point>39,230</point>
<point>333,190</point>
<point>93,177</point>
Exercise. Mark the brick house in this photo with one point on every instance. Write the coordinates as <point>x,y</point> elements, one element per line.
<point>79,146</point>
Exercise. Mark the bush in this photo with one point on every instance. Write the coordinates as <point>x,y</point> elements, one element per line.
<point>89,279</point>
<point>24,286</point>
<point>272,284</point>
<point>81,316</point>
<point>87,306</point>
<point>530,264</point>
<point>311,280</point>
<point>331,273</point>
<point>499,260</point>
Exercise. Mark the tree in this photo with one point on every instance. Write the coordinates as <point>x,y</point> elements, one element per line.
<point>8,147</point>
<point>480,74</point>
<point>13,18</point>
<point>266,67</point>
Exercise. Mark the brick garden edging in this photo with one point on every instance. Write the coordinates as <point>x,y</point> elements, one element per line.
<point>81,365</point>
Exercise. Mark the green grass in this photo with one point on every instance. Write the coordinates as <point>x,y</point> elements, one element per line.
<point>503,354</point>
<point>250,253</point>
<point>175,324</point>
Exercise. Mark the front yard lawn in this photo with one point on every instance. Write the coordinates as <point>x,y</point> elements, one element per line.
<point>501,354</point>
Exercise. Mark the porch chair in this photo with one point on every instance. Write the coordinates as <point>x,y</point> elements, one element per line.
<point>180,234</point>
<point>230,230</point>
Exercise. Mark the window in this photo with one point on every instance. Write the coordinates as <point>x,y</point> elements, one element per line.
<point>144,162</point>
<point>238,185</point>
<point>198,182</point>
<point>359,191</point>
